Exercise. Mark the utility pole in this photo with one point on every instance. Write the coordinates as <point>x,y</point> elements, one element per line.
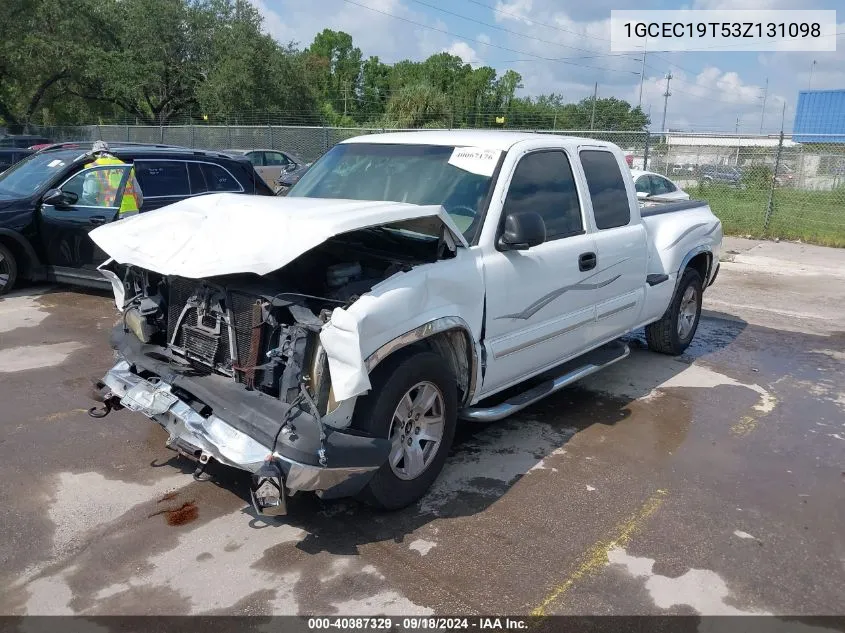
<point>783,117</point>
<point>593,115</point>
<point>810,83</point>
<point>642,75</point>
<point>737,125</point>
<point>763,112</point>
<point>666,96</point>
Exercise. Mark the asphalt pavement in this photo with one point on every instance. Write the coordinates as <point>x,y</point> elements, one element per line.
<point>710,483</point>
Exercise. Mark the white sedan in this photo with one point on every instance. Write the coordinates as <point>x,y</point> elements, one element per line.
<point>651,186</point>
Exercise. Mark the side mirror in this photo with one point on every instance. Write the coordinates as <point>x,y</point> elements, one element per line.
<point>289,167</point>
<point>642,195</point>
<point>523,229</point>
<point>59,198</point>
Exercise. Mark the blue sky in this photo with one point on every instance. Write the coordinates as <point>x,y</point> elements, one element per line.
<point>563,46</point>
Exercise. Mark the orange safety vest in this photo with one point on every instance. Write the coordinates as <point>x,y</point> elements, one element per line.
<point>110,183</point>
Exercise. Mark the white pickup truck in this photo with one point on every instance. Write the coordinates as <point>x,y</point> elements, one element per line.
<point>331,340</point>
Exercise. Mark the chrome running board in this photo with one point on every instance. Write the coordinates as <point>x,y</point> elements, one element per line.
<point>561,376</point>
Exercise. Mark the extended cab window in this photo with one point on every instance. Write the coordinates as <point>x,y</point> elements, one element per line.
<point>543,183</point>
<point>607,189</point>
<point>160,178</point>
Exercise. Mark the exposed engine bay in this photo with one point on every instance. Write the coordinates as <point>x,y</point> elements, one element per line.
<point>261,330</point>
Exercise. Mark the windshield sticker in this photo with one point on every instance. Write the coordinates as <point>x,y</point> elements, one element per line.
<point>475,160</point>
<point>55,163</point>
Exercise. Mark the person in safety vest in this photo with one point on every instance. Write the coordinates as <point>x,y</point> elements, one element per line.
<point>102,186</point>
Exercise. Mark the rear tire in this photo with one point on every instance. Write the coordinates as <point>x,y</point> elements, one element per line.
<point>8,270</point>
<point>673,333</point>
<point>414,403</point>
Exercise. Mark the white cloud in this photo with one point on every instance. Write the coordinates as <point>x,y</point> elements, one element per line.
<point>711,100</point>
<point>464,51</point>
<point>483,37</point>
<point>517,10</point>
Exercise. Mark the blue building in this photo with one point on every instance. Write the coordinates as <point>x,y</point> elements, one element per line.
<point>820,117</point>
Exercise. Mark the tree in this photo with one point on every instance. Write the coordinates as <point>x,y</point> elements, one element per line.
<point>42,45</point>
<point>340,62</point>
<point>152,58</point>
<point>375,89</point>
<point>417,105</point>
<point>611,114</point>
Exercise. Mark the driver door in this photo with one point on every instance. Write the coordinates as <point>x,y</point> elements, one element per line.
<point>540,303</point>
<point>91,198</point>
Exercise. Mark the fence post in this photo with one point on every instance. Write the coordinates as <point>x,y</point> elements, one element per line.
<point>645,151</point>
<point>192,135</point>
<point>770,205</point>
<point>228,135</point>
<point>161,134</point>
<point>99,132</point>
<point>127,132</point>
<point>326,139</point>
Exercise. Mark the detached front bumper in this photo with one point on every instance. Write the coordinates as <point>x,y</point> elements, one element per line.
<point>212,417</point>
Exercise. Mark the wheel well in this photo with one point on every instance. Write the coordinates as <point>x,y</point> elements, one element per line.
<point>455,347</point>
<point>20,254</point>
<point>701,264</point>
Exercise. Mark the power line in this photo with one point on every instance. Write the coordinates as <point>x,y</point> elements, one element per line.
<point>697,96</point>
<point>506,30</point>
<point>483,43</point>
<point>537,22</point>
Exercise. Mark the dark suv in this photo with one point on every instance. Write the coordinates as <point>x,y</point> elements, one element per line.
<point>45,218</point>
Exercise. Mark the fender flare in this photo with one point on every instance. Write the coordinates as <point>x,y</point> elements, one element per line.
<point>34,264</point>
<point>427,330</point>
<point>701,248</point>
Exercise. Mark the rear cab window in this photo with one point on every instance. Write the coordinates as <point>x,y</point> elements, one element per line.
<point>611,208</point>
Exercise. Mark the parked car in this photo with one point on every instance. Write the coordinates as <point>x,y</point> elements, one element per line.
<point>686,170</point>
<point>273,165</point>
<point>330,340</point>
<point>22,141</point>
<point>11,155</point>
<point>656,188</point>
<point>289,178</point>
<point>721,174</point>
<point>44,222</point>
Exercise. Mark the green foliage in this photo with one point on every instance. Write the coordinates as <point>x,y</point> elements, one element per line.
<point>417,105</point>
<point>757,176</point>
<point>157,62</point>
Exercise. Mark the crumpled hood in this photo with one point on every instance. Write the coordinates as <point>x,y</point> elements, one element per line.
<point>222,234</point>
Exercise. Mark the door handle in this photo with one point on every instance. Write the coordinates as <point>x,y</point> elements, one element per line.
<point>587,261</point>
<point>97,219</point>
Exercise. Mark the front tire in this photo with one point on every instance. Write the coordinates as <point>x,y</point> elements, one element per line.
<point>673,333</point>
<point>413,403</point>
<point>8,270</point>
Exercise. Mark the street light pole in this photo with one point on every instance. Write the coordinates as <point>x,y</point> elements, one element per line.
<point>666,96</point>
<point>763,111</point>
<point>642,75</point>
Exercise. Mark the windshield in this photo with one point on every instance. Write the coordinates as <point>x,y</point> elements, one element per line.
<point>31,174</point>
<point>416,174</point>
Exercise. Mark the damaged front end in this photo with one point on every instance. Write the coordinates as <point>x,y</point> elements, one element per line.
<point>235,372</point>
<point>247,325</point>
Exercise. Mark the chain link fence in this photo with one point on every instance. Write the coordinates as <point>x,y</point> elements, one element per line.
<point>759,186</point>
